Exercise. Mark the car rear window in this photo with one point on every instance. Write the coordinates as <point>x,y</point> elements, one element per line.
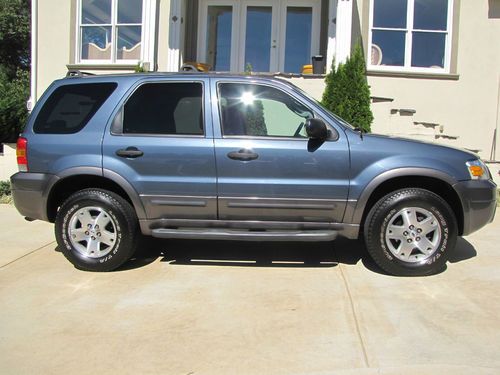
<point>70,107</point>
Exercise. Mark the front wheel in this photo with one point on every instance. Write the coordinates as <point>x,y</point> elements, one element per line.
<point>410,232</point>
<point>96,230</point>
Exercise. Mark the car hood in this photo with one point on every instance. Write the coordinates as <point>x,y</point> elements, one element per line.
<point>385,152</point>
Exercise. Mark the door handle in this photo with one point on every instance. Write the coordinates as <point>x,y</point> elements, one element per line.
<point>129,152</point>
<point>243,155</point>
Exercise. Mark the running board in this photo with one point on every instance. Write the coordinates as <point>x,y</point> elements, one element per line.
<point>246,235</point>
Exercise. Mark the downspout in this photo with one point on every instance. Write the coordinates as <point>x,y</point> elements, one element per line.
<point>34,55</point>
<point>495,138</point>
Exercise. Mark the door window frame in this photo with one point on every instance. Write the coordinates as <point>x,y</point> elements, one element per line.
<point>334,133</point>
<point>116,128</point>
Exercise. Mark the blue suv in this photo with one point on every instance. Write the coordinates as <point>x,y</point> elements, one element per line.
<point>211,156</point>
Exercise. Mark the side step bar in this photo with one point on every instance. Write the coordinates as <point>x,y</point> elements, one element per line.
<point>246,235</point>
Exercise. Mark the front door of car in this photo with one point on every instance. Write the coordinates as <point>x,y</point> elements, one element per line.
<point>267,168</point>
<point>161,143</point>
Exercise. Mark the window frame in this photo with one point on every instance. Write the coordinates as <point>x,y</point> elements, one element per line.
<point>333,137</point>
<point>116,128</point>
<point>409,30</point>
<point>147,35</point>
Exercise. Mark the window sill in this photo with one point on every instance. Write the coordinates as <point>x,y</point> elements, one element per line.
<point>418,75</point>
<point>101,66</point>
<point>298,75</point>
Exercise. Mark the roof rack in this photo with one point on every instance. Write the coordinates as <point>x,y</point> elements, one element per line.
<point>78,73</point>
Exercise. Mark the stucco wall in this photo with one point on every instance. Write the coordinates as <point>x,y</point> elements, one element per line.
<point>54,34</point>
<point>466,107</point>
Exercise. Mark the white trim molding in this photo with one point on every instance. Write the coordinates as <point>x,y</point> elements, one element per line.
<point>147,44</point>
<point>34,56</point>
<point>344,31</point>
<point>409,30</point>
<point>174,36</point>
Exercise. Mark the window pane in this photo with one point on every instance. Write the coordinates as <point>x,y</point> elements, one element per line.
<point>219,22</point>
<point>130,11</point>
<point>96,11</point>
<point>389,13</point>
<point>258,38</point>
<point>298,38</point>
<point>96,43</point>
<point>428,50</point>
<point>128,43</point>
<point>391,45</point>
<point>165,108</point>
<point>254,110</point>
<point>69,108</point>
<point>431,14</point>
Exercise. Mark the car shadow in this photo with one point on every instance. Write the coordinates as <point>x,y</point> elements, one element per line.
<point>266,254</point>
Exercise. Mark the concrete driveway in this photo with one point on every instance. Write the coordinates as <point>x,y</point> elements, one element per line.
<point>192,307</point>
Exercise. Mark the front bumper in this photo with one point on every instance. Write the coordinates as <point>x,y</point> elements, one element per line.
<point>479,203</point>
<point>29,192</point>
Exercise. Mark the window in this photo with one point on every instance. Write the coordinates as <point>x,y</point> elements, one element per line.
<point>412,35</point>
<point>70,107</point>
<point>262,36</point>
<point>165,108</point>
<point>259,111</point>
<point>112,30</point>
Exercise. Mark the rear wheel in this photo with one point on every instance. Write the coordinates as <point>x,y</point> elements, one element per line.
<point>96,230</point>
<point>410,232</point>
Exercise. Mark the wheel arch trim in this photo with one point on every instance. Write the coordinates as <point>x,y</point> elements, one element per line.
<point>354,213</point>
<point>99,172</point>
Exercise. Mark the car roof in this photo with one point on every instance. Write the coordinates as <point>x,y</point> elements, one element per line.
<point>80,77</point>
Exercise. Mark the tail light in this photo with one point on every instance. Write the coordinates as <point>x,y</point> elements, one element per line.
<point>22,154</point>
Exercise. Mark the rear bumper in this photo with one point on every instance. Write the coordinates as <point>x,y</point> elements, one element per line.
<point>478,202</point>
<point>29,193</point>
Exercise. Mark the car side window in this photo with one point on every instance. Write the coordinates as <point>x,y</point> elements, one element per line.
<point>165,108</point>
<point>70,107</point>
<point>260,111</point>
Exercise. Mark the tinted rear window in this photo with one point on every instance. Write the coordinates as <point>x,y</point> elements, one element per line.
<point>170,108</point>
<point>70,107</point>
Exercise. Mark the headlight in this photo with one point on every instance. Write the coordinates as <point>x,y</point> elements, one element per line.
<point>478,170</point>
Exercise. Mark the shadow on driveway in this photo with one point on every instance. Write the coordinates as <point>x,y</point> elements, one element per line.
<point>266,254</point>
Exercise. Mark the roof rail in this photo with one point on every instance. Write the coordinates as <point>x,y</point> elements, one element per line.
<point>78,73</point>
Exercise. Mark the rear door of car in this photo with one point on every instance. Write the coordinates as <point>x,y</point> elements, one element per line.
<point>267,168</point>
<point>161,142</point>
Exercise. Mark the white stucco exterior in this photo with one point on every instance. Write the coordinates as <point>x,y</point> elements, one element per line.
<point>460,108</point>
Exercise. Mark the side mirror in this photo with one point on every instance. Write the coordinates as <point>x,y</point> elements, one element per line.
<point>316,129</point>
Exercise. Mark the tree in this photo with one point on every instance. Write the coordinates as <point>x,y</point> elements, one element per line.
<point>347,93</point>
<point>14,66</point>
<point>254,119</point>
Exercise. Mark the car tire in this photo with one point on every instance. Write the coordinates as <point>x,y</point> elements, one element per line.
<point>96,230</point>
<point>410,232</point>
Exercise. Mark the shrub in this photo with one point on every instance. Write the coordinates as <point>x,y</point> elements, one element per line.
<point>5,188</point>
<point>347,93</point>
<point>13,112</point>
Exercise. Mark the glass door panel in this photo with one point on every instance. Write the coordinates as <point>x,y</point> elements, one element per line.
<point>219,33</point>
<point>299,22</point>
<point>258,38</point>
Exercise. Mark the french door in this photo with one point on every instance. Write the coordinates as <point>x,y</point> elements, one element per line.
<point>258,35</point>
